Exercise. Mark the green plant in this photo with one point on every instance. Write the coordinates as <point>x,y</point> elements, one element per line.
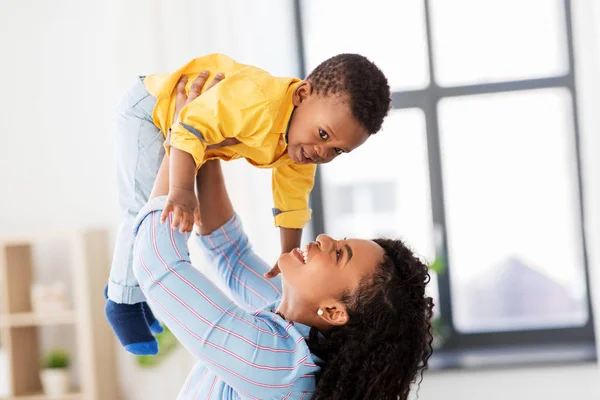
<point>167,342</point>
<point>439,332</point>
<point>438,265</point>
<point>56,359</point>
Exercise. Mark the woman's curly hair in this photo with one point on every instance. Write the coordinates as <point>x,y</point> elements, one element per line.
<point>386,343</point>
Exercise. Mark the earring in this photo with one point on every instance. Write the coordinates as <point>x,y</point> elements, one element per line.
<point>319,312</point>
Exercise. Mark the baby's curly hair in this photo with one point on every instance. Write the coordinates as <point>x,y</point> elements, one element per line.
<point>354,76</point>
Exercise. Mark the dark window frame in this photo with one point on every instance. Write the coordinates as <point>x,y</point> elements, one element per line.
<point>580,340</point>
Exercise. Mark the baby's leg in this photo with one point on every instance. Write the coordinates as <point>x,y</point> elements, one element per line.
<point>139,153</point>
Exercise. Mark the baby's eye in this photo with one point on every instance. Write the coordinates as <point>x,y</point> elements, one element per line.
<point>339,151</point>
<point>338,254</point>
<point>324,135</point>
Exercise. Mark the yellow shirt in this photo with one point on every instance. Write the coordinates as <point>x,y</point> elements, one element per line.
<point>250,105</point>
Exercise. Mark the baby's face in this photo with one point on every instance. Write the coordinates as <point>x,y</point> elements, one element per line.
<point>322,128</point>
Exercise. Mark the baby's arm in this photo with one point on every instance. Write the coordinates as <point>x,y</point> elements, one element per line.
<point>182,200</point>
<point>233,108</point>
<point>292,185</point>
<point>290,238</point>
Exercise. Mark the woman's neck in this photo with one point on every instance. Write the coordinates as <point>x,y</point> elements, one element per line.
<point>299,312</point>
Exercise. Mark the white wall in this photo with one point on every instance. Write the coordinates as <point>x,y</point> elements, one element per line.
<point>64,65</point>
<point>66,62</point>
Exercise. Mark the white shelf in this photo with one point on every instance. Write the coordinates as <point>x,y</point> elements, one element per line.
<point>89,258</point>
<point>32,319</point>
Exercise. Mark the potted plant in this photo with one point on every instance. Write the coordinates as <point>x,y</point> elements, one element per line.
<point>440,332</point>
<point>55,376</point>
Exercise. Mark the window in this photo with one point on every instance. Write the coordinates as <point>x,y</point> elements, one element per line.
<point>511,211</point>
<point>350,26</point>
<point>382,190</point>
<point>493,41</point>
<point>477,165</point>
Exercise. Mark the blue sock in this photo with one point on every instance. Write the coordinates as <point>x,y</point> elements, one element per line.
<point>131,327</point>
<point>155,326</point>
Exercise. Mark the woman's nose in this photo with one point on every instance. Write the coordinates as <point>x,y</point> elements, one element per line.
<point>324,240</point>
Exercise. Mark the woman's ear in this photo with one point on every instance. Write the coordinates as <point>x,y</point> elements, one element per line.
<point>334,314</point>
<point>301,93</point>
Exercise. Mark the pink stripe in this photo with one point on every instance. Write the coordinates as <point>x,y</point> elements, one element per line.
<point>214,325</point>
<point>187,386</point>
<point>211,388</point>
<point>204,296</point>
<point>269,332</point>
<point>189,379</point>
<point>267,281</point>
<point>234,276</point>
<point>173,239</point>
<point>260,260</point>
<point>224,350</point>
<point>208,299</point>
<point>219,365</point>
<point>204,375</point>
<point>153,235</point>
<point>287,396</point>
<point>287,385</point>
<point>185,305</point>
<point>255,314</point>
<point>303,395</point>
<point>201,382</point>
<point>243,264</point>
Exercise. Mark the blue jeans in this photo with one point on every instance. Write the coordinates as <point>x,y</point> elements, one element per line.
<point>139,153</point>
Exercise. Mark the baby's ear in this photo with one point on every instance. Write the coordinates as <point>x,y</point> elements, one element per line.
<point>302,92</point>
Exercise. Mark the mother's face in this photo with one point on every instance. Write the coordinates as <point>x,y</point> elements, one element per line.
<point>323,270</point>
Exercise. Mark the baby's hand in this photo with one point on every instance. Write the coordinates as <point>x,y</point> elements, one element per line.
<point>184,206</point>
<point>273,272</point>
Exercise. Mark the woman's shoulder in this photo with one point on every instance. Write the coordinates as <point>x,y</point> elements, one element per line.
<point>295,332</point>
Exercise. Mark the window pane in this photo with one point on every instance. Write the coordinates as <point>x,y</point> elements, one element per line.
<point>390,33</point>
<point>478,41</point>
<point>512,209</point>
<point>382,188</point>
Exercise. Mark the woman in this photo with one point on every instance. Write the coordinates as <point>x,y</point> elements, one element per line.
<point>344,319</point>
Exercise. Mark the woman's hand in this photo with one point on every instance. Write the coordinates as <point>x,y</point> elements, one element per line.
<point>182,99</point>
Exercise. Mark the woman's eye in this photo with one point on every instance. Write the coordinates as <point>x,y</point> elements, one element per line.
<point>339,151</point>
<point>324,135</point>
<point>338,254</point>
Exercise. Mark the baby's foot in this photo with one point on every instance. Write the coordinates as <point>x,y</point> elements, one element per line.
<point>129,323</point>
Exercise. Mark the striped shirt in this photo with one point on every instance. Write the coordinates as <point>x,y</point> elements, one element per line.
<point>244,350</point>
